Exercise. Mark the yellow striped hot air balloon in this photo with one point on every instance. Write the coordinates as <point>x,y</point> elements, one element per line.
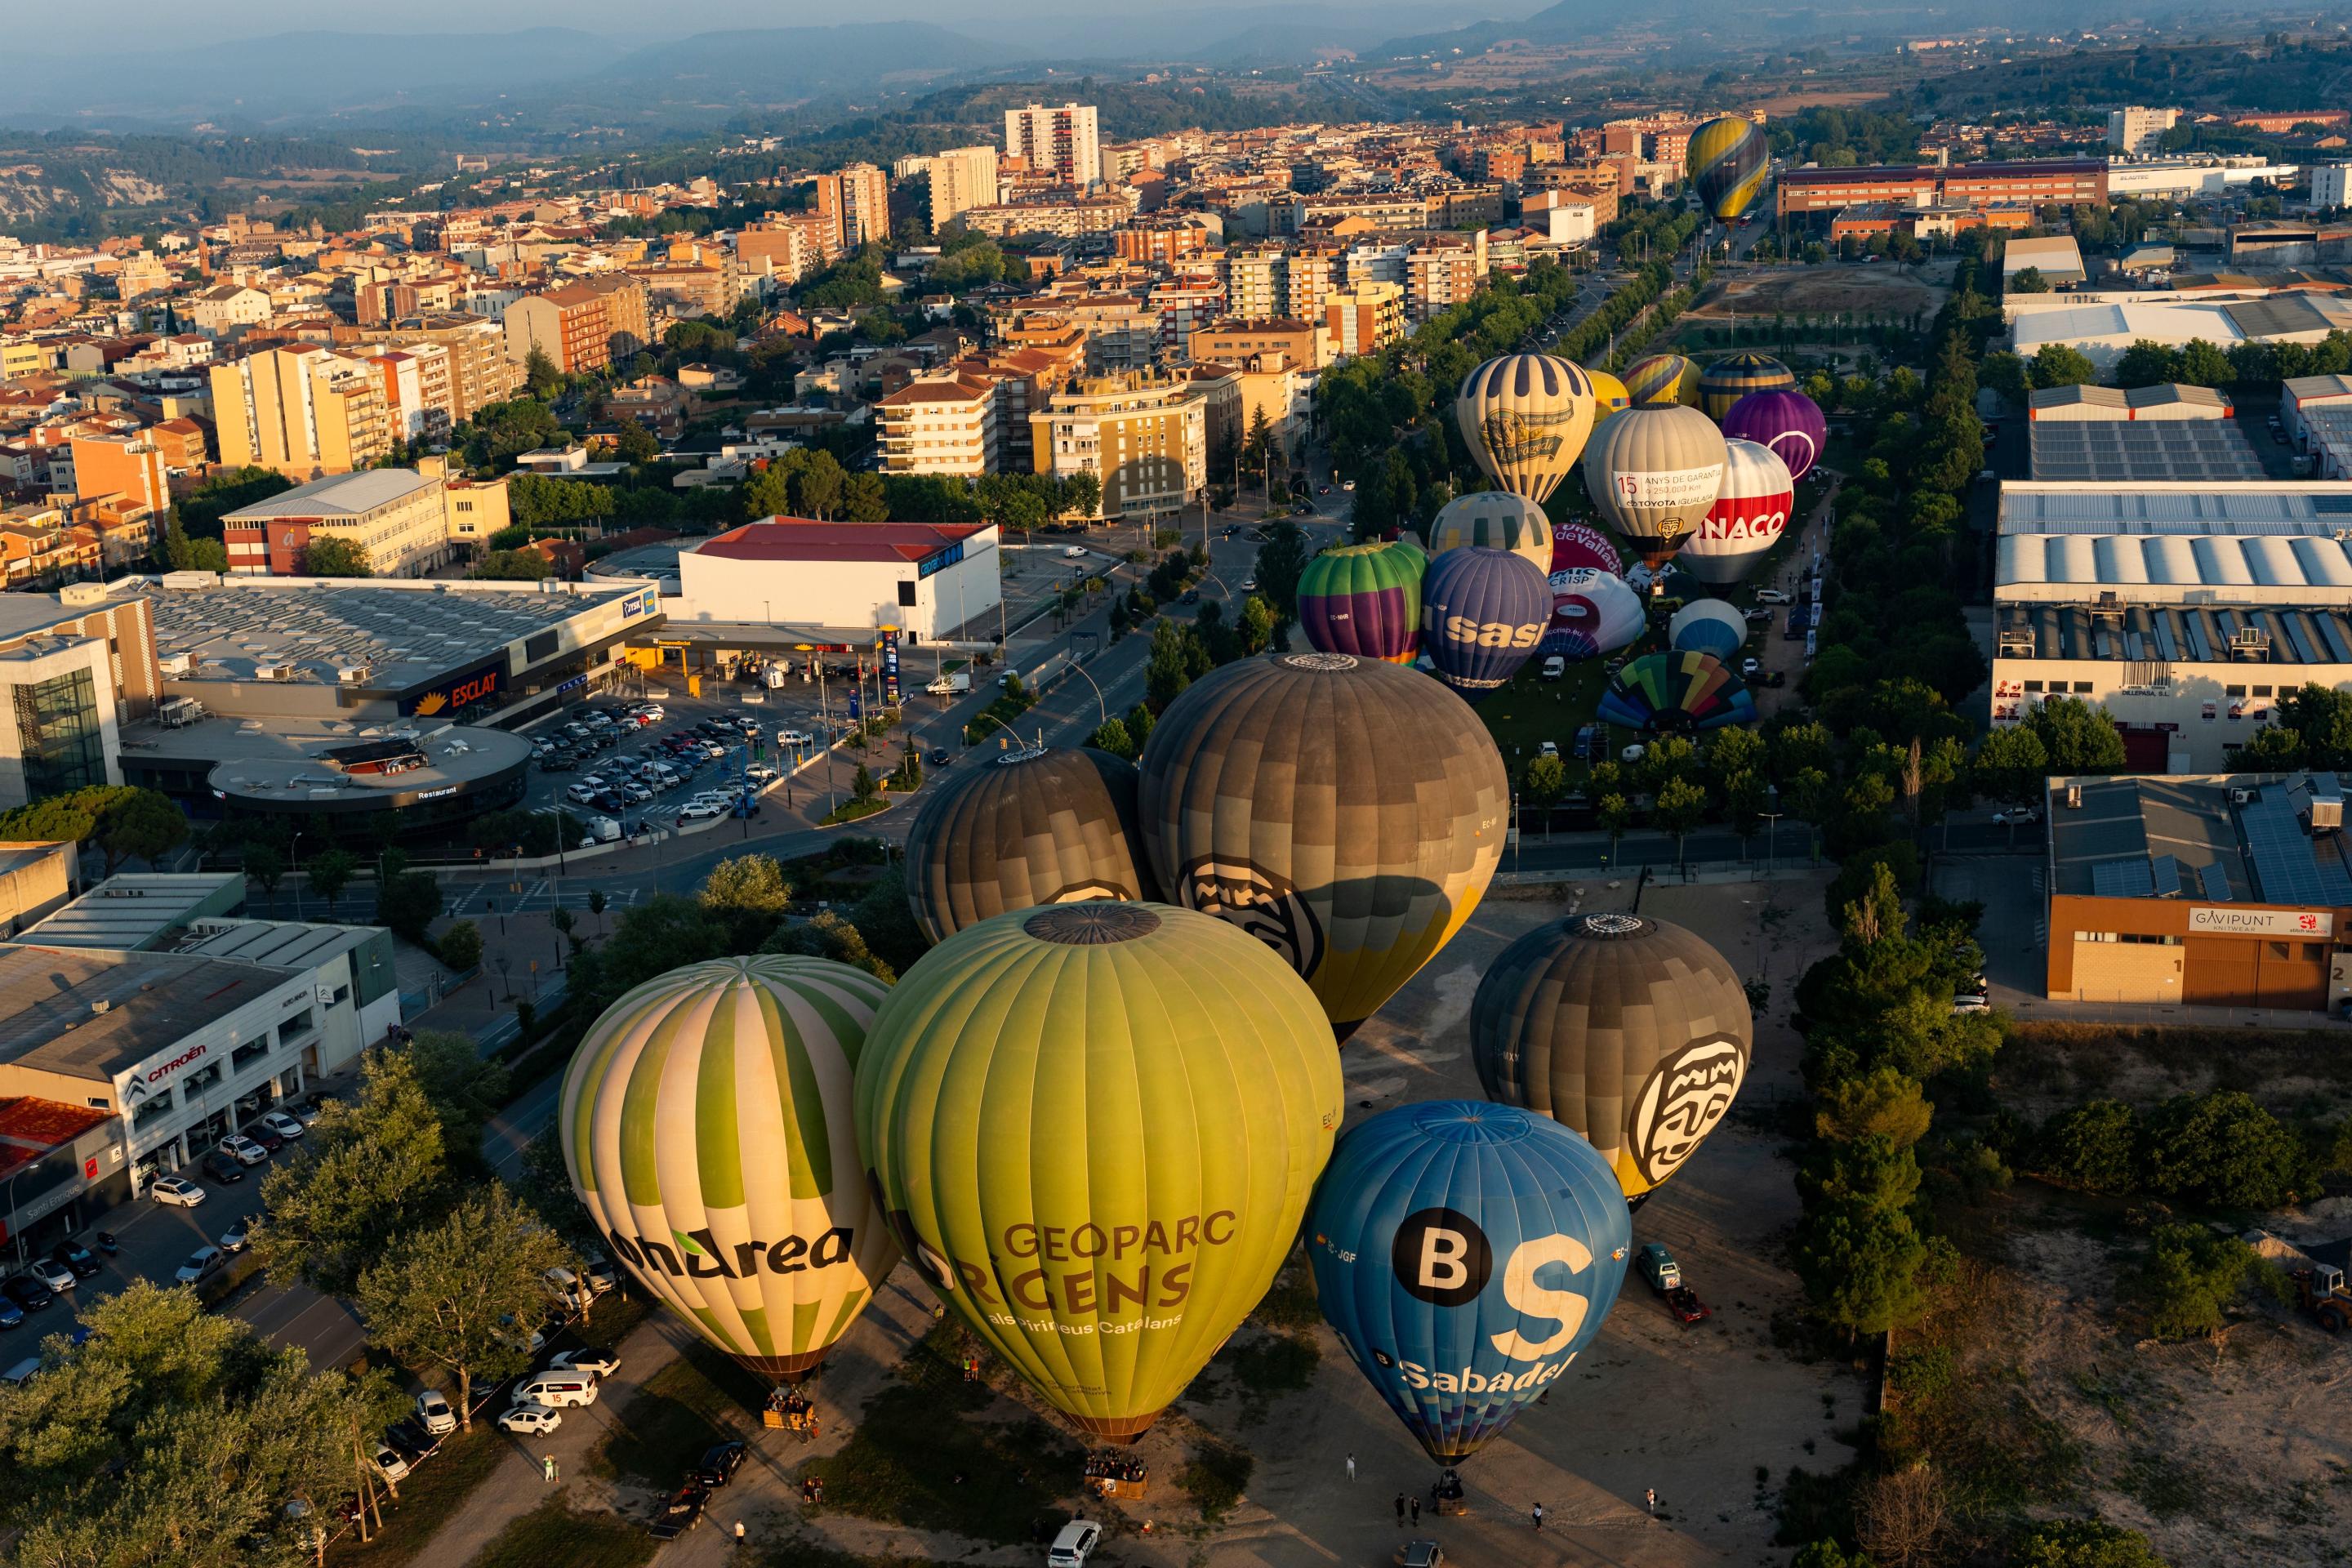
<point>1726,161</point>
<point>1660,380</point>
<point>1525,417</point>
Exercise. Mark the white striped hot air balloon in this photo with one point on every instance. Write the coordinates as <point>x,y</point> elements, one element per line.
<point>1526,417</point>
<point>709,1122</point>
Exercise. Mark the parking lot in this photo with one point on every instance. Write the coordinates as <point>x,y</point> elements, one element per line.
<point>599,759</point>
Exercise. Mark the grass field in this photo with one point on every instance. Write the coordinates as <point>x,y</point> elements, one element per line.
<point>699,1399</point>
<point>432,1492</point>
<point>555,1533</point>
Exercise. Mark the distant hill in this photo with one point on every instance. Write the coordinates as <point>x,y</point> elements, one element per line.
<point>772,64</point>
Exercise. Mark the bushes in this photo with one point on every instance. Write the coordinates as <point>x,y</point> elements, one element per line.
<point>2094,1147</point>
<point>2188,1279</point>
<point>1217,1478</point>
<point>2217,1150</point>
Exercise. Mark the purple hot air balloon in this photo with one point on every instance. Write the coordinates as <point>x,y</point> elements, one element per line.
<point>1790,422</point>
<point>1482,613</point>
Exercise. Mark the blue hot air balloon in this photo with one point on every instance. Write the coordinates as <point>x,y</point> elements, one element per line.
<point>1465,1253</point>
<point>1482,613</point>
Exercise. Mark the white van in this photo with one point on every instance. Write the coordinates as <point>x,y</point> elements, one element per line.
<point>555,1389</point>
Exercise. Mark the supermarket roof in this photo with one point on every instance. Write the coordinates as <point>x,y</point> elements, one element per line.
<point>2247,509</point>
<point>805,539</point>
<point>341,495</point>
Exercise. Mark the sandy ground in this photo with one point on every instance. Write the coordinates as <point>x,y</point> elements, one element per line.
<point>1880,287</point>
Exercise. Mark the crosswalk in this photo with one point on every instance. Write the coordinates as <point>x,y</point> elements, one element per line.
<point>527,895</point>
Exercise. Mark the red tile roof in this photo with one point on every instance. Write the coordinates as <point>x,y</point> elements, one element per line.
<point>805,539</point>
<point>30,1127</point>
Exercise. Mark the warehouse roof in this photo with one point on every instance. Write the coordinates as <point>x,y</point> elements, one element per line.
<point>139,909</point>
<point>2211,561</point>
<point>2242,509</point>
<point>2134,318</point>
<point>2253,638</point>
<point>2303,388</point>
<point>50,997</point>
<point>2189,451</point>
<point>2148,837</point>
<point>805,539</point>
<point>341,495</point>
<point>2286,315</point>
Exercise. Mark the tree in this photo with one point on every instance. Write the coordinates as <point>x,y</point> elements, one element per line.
<point>828,935</point>
<point>461,946</point>
<point>636,443</point>
<point>1678,808</point>
<point>460,1296</point>
<point>2010,765</point>
<point>2147,364</point>
<point>1883,1103</point>
<point>2077,737</point>
<point>466,1090</point>
<point>2084,1543</point>
<point>1545,780</point>
<point>408,902</point>
<point>2057,365</point>
<point>1111,736</point>
<point>1860,1265</point>
<point>2189,1277</point>
<point>2093,1146</point>
<point>748,893</point>
<point>539,373</point>
<point>264,866</point>
<point>2204,364</point>
<point>331,555</point>
<point>1902,1520</point>
<point>2029,280</point>
<point>331,871</point>
<point>373,1169</point>
<point>140,825</point>
<point>1616,815</point>
<point>1279,563</point>
<point>512,566</point>
<point>1256,624</point>
<point>2223,1150</point>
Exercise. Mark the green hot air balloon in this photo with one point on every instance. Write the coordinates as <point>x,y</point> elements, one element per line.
<point>1094,1127</point>
<point>1345,812</point>
<point>1364,599</point>
<point>708,1124</point>
<point>1025,827</point>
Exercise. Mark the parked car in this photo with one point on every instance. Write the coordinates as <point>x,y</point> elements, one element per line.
<point>1749,669</point>
<point>596,1363</point>
<point>1420,1554</point>
<point>1971,1001</point>
<point>1770,597</point>
<point>1547,749</point>
<point>12,1316</point>
<point>27,1292</point>
<point>76,1256</point>
<point>1075,1544</point>
<point>682,1512</point>
<point>717,1466</point>
<point>1633,754</point>
<point>233,1239</point>
<point>245,1150</point>
<point>760,773</point>
<point>2017,816</point>
<point>224,1167</point>
<point>1075,553</point>
<point>409,1440</point>
<point>939,757</point>
<point>270,1141</point>
<point>529,1420</point>
<point>203,1264</point>
<point>433,1413</point>
<point>306,1112</point>
<point>700,811</point>
<point>1249,584</point>
<point>52,1273</point>
<point>181,1192</point>
<point>602,1275</point>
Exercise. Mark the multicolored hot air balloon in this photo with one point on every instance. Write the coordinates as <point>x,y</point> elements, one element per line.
<point>1364,599</point>
<point>1788,422</point>
<point>1592,613</point>
<point>1707,626</point>
<point>1525,417</point>
<point>1345,812</point>
<point>1492,519</point>
<point>1466,1254</point>
<point>1482,613</point>
<point>1094,1128</point>
<point>708,1123</point>
<point>1726,161</point>
<point>1581,547</point>
<point>1609,396</point>
<point>1735,376</point>
<point>1667,691</point>
<point>1631,1031</point>
<point>1653,473</point>
<point>1662,381</point>
<point>1748,517</point>
<point>1022,829</point>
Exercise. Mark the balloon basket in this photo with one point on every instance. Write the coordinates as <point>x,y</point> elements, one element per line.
<point>1110,1474</point>
<point>1448,1499</point>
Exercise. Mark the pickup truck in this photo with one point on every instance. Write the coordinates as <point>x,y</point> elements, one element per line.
<point>1665,1276</point>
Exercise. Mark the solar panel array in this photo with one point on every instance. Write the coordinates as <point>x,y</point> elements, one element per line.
<point>2169,450</point>
<point>2214,877</point>
<point>2120,880</point>
<point>2287,861</point>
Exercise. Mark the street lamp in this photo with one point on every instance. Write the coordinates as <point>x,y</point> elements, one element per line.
<point>1771,816</point>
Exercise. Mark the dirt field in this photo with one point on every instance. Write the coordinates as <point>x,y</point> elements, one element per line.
<point>1878,288</point>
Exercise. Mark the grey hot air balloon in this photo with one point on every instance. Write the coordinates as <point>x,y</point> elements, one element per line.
<point>1654,473</point>
<point>1526,417</point>
<point>1024,828</point>
<point>1346,813</point>
<point>1627,1029</point>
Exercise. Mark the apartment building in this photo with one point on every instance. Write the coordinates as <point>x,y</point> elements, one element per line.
<point>479,371</point>
<point>628,310</point>
<point>1184,305</point>
<point>2135,131</point>
<point>304,412</point>
<point>224,308</point>
<point>1061,140</point>
<point>74,668</point>
<point>419,392</point>
<point>941,424</point>
<point>961,178</point>
<point>1059,219</point>
<point>782,246</point>
<point>570,325</point>
<point>1363,319</point>
<point>1311,274</point>
<point>681,290</point>
<point>1440,274</point>
<point>1145,438</point>
<point>854,205</point>
<point>1256,280</point>
<point>405,519</point>
<point>128,466</point>
<point>1298,343</point>
<point>1163,238</point>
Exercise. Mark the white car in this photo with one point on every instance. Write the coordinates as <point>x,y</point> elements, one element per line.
<point>794,738</point>
<point>1555,666</point>
<point>1751,668</point>
<point>653,713</point>
<point>596,1363</point>
<point>2017,816</point>
<point>432,1413</point>
<point>528,1420</point>
<point>51,1272</point>
<point>246,1150</point>
<point>1770,597</point>
<point>760,773</point>
<point>203,1264</point>
<point>1633,754</point>
<point>1547,749</point>
<point>281,1123</point>
<point>700,811</point>
<point>1971,1001</point>
<point>1075,1544</point>
<point>177,1191</point>
<point>233,1238</point>
<point>389,1464</point>
<point>1249,584</point>
<point>1075,553</point>
<point>579,794</point>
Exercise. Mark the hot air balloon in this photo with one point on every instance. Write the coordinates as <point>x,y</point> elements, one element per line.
<point>1662,381</point>
<point>1788,422</point>
<point>1726,161</point>
<point>1345,812</point>
<point>1526,417</point>
<point>1094,1128</point>
<point>1747,519</point>
<point>1653,473</point>
<point>1632,1031</point>
<point>1734,376</point>
<point>1482,613</point>
<point>707,1122</point>
<point>1592,613</point>
<point>1364,599</point>
<point>1494,520</point>
<point>1668,691</point>
<point>1025,827</point>
<point>1579,546</point>
<point>1609,396</point>
<point>1707,626</point>
<point>1466,1254</point>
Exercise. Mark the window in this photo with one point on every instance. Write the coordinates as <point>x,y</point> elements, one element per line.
<point>2083,687</point>
<point>204,1078</point>
<point>2278,949</point>
<point>151,1108</point>
<point>299,1024</point>
<point>252,1050</point>
<point>57,727</point>
<point>2261,692</point>
<point>2233,691</point>
<point>2034,686</point>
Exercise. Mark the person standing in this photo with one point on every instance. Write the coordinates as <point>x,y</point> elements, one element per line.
<point>1651,1496</point>
<point>1352,1466</point>
<point>1539,1516</point>
<point>547,1467</point>
<point>1416,1513</point>
<point>1399,1510</point>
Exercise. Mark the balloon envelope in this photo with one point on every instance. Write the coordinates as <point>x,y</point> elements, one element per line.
<point>1364,599</point>
<point>1345,812</point>
<point>1096,1127</point>
<point>1629,1030</point>
<point>1493,519</point>
<point>1734,376</point>
<point>1579,546</point>
<point>1660,380</point>
<point>1707,626</point>
<point>1021,828</point>
<point>1748,517</point>
<point>1726,161</point>
<point>1786,421</point>
<point>1668,691</point>
<point>1592,613</point>
<point>1609,396</point>
<point>1482,611</point>
<point>1653,473</point>
<point>1465,1253</point>
<point>1525,417</point>
<point>708,1124</point>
